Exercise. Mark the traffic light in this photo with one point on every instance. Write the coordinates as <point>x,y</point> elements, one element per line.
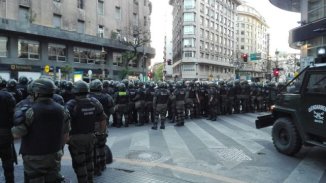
<point>169,62</point>
<point>150,74</point>
<point>276,72</point>
<point>244,57</point>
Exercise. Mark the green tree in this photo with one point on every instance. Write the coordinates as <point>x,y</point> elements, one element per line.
<point>65,70</point>
<point>158,73</point>
<point>135,38</point>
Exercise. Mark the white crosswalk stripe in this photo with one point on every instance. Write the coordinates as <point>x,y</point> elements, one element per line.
<point>111,141</point>
<point>140,141</point>
<point>209,141</point>
<point>177,147</point>
<point>308,170</point>
<point>252,132</point>
<point>237,136</point>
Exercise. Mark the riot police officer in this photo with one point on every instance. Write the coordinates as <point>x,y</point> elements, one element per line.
<point>107,102</point>
<point>149,95</point>
<point>11,87</point>
<point>140,103</point>
<point>133,117</point>
<point>66,92</point>
<point>7,107</point>
<point>22,86</point>
<point>86,113</point>
<point>212,101</point>
<point>160,104</point>
<point>122,105</point>
<point>48,124</point>
<point>180,95</point>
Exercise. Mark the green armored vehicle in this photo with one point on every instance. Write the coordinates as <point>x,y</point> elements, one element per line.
<point>299,114</point>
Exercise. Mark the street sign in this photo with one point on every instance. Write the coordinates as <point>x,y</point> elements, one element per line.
<point>47,69</point>
<point>255,56</point>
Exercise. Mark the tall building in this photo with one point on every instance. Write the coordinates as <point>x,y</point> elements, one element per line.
<point>74,37</point>
<point>252,43</point>
<point>309,37</point>
<point>204,38</point>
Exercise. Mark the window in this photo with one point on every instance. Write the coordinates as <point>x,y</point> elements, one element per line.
<point>317,83</point>
<point>189,42</point>
<point>145,21</point>
<point>189,17</point>
<point>316,10</point>
<point>56,21</point>
<point>80,4</point>
<point>57,52</point>
<point>100,7</point>
<point>117,13</point>
<point>3,46</point>
<point>189,54</point>
<point>81,26</point>
<point>188,29</point>
<point>135,18</point>
<point>189,4</point>
<point>88,56</point>
<point>28,49</point>
<point>117,60</point>
<point>100,31</point>
<point>23,14</point>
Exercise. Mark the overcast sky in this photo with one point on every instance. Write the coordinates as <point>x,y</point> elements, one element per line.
<point>279,21</point>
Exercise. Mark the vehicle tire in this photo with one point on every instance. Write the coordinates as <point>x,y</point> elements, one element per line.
<point>286,138</point>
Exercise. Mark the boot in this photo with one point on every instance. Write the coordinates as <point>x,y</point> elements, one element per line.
<point>162,126</point>
<point>154,127</point>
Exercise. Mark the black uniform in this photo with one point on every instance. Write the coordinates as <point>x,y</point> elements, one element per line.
<point>7,106</point>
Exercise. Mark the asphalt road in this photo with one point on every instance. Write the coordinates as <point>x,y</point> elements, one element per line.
<point>227,150</point>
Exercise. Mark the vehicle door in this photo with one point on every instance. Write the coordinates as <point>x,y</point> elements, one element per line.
<point>312,113</point>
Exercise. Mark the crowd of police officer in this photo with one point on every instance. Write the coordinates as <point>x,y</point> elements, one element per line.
<point>47,115</point>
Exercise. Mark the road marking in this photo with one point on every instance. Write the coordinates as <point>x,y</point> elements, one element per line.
<point>253,132</point>
<point>207,139</point>
<point>237,136</point>
<point>178,169</point>
<point>308,170</point>
<point>139,141</point>
<point>177,147</point>
<point>110,141</point>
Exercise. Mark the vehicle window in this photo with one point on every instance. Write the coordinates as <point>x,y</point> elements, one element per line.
<point>317,83</point>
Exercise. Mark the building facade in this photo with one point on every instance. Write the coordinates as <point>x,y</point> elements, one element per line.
<point>204,39</point>
<point>71,38</point>
<point>252,43</point>
<point>310,36</point>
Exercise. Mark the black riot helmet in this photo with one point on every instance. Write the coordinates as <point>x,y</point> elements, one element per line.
<point>11,84</point>
<point>106,83</point>
<point>23,80</point>
<point>80,87</point>
<point>96,85</point>
<point>43,86</point>
<point>179,84</point>
<point>121,87</point>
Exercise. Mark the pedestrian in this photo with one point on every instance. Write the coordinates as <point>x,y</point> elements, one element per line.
<point>7,153</point>
<point>85,114</point>
<point>44,133</point>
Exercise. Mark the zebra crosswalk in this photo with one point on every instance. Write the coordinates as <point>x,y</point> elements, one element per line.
<point>230,146</point>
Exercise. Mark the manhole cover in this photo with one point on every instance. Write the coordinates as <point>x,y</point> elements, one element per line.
<point>144,155</point>
<point>232,154</point>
